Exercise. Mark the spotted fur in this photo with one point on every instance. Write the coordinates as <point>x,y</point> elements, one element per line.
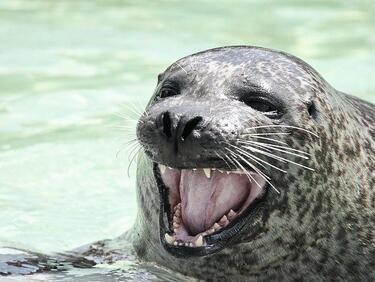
<point>321,226</point>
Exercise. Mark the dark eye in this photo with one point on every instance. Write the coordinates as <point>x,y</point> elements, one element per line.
<point>262,105</point>
<point>168,91</point>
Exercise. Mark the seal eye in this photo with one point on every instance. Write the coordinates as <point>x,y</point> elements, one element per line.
<point>262,105</point>
<point>168,91</point>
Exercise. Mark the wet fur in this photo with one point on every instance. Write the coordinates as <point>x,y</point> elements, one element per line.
<point>321,227</point>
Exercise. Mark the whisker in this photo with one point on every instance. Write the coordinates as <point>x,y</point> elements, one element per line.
<point>258,160</point>
<point>131,161</point>
<point>266,133</point>
<point>281,147</point>
<point>124,126</point>
<point>128,118</point>
<point>133,108</point>
<point>246,154</point>
<point>251,178</point>
<point>181,68</point>
<point>230,160</point>
<point>277,157</point>
<point>263,175</point>
<point>285,126</point>
<point>270,139</point>
<point>223,158</point>
<point>132,149</point>
<point>129,143</point>
<point>277,148</point>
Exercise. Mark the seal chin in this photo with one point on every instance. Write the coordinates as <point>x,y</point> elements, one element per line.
<point>204,209</point>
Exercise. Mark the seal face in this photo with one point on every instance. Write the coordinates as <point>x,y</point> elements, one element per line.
<point>210,130</point>
<point>251,166</point>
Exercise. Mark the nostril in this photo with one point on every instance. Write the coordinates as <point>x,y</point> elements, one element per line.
<point>167,124</point>
<point>190,126</point>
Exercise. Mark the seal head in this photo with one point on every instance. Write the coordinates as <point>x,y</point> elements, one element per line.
<point>244,147</point>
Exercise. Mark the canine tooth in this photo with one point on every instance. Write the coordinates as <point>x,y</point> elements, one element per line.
<point>190,244</point>
<point>216,226</point>
<point>170,239</point>
<point>176,225</point>
<point>207,172</point>
<point>210,231</point>
<point>162,168</point>
<point>229,172</point>
<point>170,167</point>
<point>175,243</point>
<point>194,169</point>
<point>199,241</point>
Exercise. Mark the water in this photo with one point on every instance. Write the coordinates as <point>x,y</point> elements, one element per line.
<point>68,69</point>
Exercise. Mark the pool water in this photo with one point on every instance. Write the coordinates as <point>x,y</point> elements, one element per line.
<point>74,74</point>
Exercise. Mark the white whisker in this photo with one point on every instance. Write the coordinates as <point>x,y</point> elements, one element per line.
<point>281,159</point>
<point>251,178</point>
<point>223,158</point>
<point>266,133</point>
<point>285,126</point>
<point>269,139</point>
<point>264,176</point>
<point>258,160</point>
<point>131,161</point>
<point>277,148</point>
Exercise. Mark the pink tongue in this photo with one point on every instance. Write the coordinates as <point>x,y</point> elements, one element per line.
<point>205,200</point>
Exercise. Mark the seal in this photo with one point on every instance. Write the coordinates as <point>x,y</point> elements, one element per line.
<point>254,167</point>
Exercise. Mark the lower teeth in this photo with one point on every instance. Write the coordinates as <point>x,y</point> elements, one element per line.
<point>199,241</point>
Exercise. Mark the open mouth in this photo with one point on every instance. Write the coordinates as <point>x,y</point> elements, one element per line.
<point>204,209</point>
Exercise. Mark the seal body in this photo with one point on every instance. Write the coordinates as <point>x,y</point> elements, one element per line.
<point>318,222</point>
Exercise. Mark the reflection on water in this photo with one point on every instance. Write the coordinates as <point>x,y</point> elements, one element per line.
<point>69,69</point>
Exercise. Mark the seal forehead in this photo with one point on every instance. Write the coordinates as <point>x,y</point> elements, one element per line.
<point>266,68</point>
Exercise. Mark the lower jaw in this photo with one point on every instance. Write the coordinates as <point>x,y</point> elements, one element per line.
<point>211,243</point>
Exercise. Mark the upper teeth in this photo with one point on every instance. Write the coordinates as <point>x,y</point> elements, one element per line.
<point>207,171</point>
<point>162,168</point>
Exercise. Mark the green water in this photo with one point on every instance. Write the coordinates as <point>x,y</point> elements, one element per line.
<point>70,69</point>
